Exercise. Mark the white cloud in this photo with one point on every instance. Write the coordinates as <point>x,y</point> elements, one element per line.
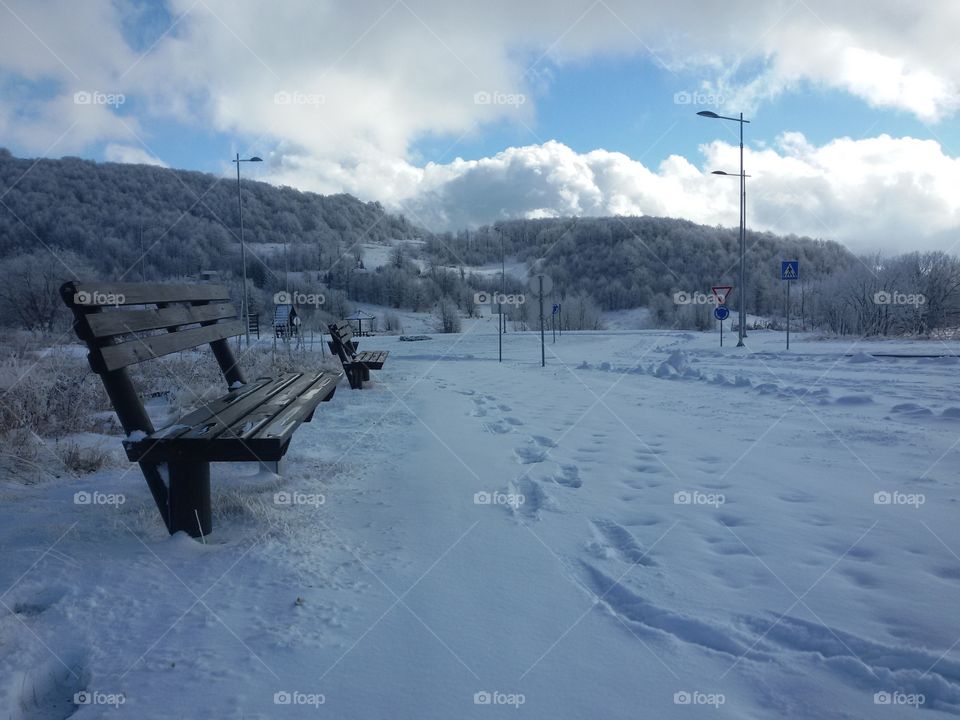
<point>891,193</point>
<point>130,154</point>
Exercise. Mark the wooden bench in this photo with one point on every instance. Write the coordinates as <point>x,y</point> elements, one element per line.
<point>357,365</point>
<point>128,323</point>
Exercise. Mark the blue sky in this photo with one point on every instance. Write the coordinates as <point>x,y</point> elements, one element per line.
<point>853,106</point>
<point>627,105</point>
<point>624,105</point>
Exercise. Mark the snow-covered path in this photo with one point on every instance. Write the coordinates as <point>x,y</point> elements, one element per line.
<point>648,527</point>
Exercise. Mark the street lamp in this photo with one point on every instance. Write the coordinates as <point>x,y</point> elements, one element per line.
<point>742,333</point>
<point>501,323</point>
<point>245,307</point>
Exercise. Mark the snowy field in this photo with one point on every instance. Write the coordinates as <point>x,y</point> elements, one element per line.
<point>649,527</point>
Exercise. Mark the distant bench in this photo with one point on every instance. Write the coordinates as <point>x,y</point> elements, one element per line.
<point>253,422</point>
<point>357,365</point>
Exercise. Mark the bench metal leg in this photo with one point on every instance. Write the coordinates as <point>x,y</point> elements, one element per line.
<point>355,378</point>
<point>190,498</point>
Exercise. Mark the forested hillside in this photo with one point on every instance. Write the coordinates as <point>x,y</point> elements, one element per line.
<point>91,214</point>
<point>189,219</point>
<point>626,262</point>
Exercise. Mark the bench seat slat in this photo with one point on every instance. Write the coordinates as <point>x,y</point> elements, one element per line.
<point>250,424</point>
<point>371,359</point>
<point>292,398</point>
<point>144,449</point>
<point>281,426</point>
<point>216,423</point>
<point>154,346</point>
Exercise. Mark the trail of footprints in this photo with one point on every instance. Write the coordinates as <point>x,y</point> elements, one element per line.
<point>496,418</point>
<point>753,637</point>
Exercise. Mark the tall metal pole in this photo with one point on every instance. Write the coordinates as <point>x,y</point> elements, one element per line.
<point>501,323</point>
<point>503,277</point>
<point>245,309</point>
<point>143,272</point>
<point>543,349</point>
<point>789,283</point>
<point>743,241</point>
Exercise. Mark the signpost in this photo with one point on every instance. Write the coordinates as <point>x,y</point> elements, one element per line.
<point>541,285</point>
<point>720,312</point>
<point>789,271</point>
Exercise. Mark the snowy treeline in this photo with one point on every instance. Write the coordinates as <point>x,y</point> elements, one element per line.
<point>626,262</point>
<point>91,215</point>
<point>913,294</point>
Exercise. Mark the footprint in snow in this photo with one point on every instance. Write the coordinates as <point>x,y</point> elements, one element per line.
<point>569,476</point>
<point>497,428</point>
<point>616,541</point>
<point>529,455</point>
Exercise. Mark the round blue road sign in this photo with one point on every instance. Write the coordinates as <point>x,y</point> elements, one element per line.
<point>721,313</point>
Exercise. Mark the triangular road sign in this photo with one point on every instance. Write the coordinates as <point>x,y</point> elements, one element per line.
<point>721,293</point>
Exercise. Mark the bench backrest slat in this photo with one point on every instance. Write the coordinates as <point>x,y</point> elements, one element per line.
<point>342,335</point>
<point>109,294</point>
<point>110,323</point>
<point>147,348</point>
<point>184,317</point>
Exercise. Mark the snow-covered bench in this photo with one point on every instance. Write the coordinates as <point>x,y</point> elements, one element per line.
<point>357,365</point>
<point>128,323</point>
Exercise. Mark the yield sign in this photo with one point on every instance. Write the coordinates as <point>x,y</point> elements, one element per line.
<point>721,293</point>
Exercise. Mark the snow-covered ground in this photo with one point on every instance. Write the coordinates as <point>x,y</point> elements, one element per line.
<point>648,527</point>
<point>376,254</point>
<point>511,267</point>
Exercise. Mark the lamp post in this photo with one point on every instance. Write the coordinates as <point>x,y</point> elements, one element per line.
<point>742,333</point>
<point>501,323</point>
<point>245,309</point>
